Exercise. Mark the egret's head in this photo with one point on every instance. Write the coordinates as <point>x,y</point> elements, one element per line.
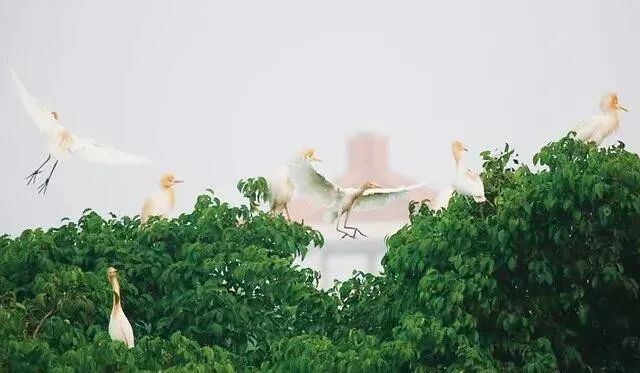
<point>168,180</point>
<point>610,103</point>
<point>369,185</point>
<point>111,273</point>
<point>55,115</point>
<point>309,155</point>
<point>458,148</point>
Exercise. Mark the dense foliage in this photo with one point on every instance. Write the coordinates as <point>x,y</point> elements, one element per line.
<point>543,278</point>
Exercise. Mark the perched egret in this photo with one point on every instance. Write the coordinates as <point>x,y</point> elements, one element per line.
<point>338,200</point>
<point>119,326</point>
<point>466,182</point>
<point>441,201</point>
<point>163,201</point>
<point>281,187</point>
<point>62,143</point>
<point>599,126</point>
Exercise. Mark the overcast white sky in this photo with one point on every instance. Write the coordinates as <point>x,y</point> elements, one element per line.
<point>220,90</point>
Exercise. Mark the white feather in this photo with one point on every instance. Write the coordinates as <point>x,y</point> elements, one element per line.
<point>280,188</point>
<point>597,128</point>
<point>378,197</point>
<point>119,327</point>
<point>309,181</point>
<point>84,148</point>
<point>38,112</point>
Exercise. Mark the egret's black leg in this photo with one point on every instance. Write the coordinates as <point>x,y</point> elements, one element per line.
<point>344,234</point>
<point>354,229</point>
<point>32,178</point>
<point>43,187</point>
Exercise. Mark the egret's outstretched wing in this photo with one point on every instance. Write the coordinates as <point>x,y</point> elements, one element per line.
<point>309,181</point>
<point>38,112</point>
<point>93,152</point>
<point>378,197</point>
<point>127,331</point>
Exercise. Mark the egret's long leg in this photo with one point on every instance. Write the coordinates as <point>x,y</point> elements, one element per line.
<point>286,210</point>
<point>355,230</point>
<point>32,177</point>
<point>43,187</point>
<point>344,234</point>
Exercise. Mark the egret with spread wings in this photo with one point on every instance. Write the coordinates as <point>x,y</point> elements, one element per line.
<point>62,143</point>
<point>599,126</point>
<point>338,200</point>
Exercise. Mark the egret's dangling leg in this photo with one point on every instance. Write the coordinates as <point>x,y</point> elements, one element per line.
<point>43,187</point>
<point>355,230</point>
<point>344,234</point>
<point>32,178</point>
<point>286,210</point>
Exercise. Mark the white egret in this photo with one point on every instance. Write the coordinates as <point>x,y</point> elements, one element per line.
<point>119,326</point>
<point>62,143</point>
<point>599,126</point>
<point>441,201</point>
<point>466,182</point>
<point>281,188</point>
<point>339,201</point>
<point>163,201</point>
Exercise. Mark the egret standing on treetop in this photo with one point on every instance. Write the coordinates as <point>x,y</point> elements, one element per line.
<point>599,126</point>
<point>119,326</point>
<point>466,182</point>
<point>280,187</point>
<point>163,201</point>
<point>338,200</point>
<point>62,143</point>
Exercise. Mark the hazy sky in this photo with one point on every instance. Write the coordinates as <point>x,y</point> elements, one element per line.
<point>220,90</point>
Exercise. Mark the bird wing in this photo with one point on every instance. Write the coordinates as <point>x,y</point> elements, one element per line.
<point>378,197</point>
<point>125,328</point>
<point>313,183</point>
<point>38,112</point>
<point>91,151</point>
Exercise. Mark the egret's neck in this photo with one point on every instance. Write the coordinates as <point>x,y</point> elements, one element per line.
<point>171,196</point>
<point>457,157</point>
<point>115,286</point>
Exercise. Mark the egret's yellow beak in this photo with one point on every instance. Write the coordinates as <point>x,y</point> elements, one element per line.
<point>622,108</point>
<point>313,158</point>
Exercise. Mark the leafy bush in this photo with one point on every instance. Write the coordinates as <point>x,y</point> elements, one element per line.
<point>543,278</point>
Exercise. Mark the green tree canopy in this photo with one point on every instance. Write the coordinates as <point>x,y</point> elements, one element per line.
<point>543,278</point>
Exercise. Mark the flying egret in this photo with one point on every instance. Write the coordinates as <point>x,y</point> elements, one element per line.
<point>339,201</point>
<point>599,126</point>
<point>62,143</point>
<point>281,187</point>
<point>163,201</point>
<point>466,182</point>
<point>119,326</point>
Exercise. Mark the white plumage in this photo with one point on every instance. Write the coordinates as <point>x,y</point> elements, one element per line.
<point>441,201</point>
<point>599,126</point>
<point>466,182</point>
<point>163,201</point>
<point>119,326</point>
<point>62,143</point>
<point>339,200</point>
<point>281,187</point>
